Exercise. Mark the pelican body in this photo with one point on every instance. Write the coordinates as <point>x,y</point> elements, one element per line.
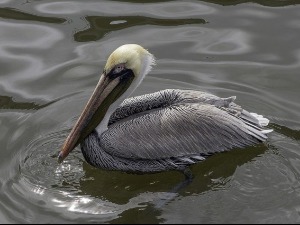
<point>166,130</point>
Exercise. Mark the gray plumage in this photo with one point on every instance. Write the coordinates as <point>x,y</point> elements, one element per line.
<point>170,130</point>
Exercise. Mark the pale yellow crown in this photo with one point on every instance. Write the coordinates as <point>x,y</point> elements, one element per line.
<point>133,56</point>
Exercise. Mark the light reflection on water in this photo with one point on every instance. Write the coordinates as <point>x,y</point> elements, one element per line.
<point>52,53</point>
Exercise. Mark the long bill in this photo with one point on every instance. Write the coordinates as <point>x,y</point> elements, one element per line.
<point>107,91</point>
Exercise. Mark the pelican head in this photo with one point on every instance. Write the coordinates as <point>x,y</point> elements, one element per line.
<point>131,56</point>
<point>124,70</point>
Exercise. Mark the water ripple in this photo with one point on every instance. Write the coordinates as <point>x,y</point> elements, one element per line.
<point>50,64</point>
<point>99,26</point>
<point>109,8</point>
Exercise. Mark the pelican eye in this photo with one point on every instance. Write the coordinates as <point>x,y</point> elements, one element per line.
<point>118,68</point>
<point>117,71</point>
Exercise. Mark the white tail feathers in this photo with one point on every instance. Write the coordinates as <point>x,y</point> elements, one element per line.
<point>262,122</point>
<point>267,131</point>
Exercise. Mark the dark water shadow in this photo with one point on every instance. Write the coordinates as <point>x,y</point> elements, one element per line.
<point>272,3</point>
<point>100,25</point>
<point>288,132</point>
<point>16,14</point>
<point>218,167</point>
<point>8,103</point>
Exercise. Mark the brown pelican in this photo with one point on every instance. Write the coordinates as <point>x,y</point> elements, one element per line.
<point>165,130</point>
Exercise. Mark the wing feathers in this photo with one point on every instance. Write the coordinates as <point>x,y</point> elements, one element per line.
<point>178,131</point>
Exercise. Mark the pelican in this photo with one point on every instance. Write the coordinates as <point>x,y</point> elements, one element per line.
<point>166,130</point>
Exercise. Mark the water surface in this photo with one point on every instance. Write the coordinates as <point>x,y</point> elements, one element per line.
<point>52,53</point>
